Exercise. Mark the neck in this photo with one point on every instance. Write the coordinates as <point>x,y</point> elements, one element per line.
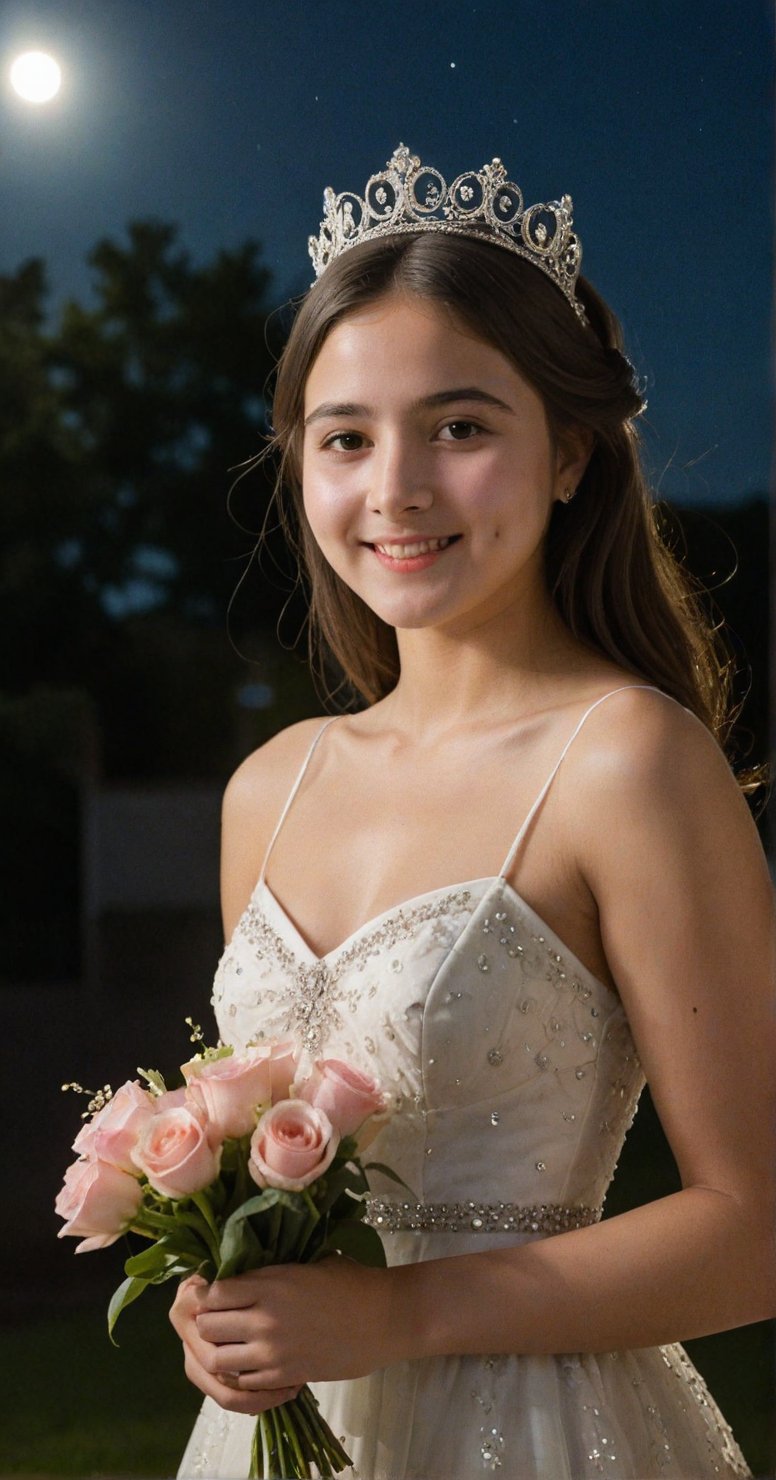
<point>511,662</point>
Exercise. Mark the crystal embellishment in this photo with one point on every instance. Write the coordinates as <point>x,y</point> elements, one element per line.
<point>395,1217</point>
<point>407,196</point>
<point>314,987</point>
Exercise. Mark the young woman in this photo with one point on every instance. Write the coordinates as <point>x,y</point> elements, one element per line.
<point>518,881</point>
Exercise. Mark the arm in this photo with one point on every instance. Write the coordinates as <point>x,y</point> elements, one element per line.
<point>665,844</point>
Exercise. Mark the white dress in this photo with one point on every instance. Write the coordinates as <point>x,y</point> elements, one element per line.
<point>515,1078</point>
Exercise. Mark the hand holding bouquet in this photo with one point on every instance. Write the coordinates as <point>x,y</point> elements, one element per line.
<point>239,1169</point>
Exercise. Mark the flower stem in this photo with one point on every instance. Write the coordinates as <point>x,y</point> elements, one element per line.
<point>210,1231</point>
<point>330,1446</point>
<point>154,1220</point>
<point>290,1439</point>
<point>313,1436</point>
<point>292,1442</point>
<point>280,1473</point>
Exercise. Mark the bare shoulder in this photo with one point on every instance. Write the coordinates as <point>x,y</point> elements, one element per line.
<point>268,773</point>
<point>640,737</point>
<point>253,801</point>
<point>647,773</point>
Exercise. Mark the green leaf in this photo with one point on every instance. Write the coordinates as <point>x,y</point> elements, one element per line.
<point>272,1228</point>
<point>171,1255</point>
<point>240,1250</point>
<point>240,1245</point>
<point>265,1199</point>
<point>187,1239</point>
<point>345,1179</point>
<point>127,1291</point>
<point>298,1219</point>
<point>379,1166</point>
<point>356,1240</point>
<point>217,1197</point>
<point>151,1261</point>
<point>234,1168</point>
<point>190,1217</point>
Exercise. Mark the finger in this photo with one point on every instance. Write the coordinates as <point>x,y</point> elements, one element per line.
<point>260,1402</point>
<point>236,1357</point>
<point>216,1360</point>
<point>232,1294</point>
<point>232,1395</point>
<point>268,1397</point>
<point>184,1310</point>
<point>192,1290</point>
<point>225,1393</point>
<point>249,1362</point>
<point>220,1326</point>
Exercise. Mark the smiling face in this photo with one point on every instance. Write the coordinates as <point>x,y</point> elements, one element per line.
<point>429,473</point>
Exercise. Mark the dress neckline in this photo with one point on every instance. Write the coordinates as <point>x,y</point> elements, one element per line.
<point>491,883</point>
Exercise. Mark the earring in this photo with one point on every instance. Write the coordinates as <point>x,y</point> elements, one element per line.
<point>568,494</point>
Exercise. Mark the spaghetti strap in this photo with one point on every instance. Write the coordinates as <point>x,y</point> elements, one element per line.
<point>293,792</point>
<point>512,854</point>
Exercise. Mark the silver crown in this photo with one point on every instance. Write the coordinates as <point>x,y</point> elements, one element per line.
<point>408,196</point>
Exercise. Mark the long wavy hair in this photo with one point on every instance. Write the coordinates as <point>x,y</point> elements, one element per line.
<point>611,574</point>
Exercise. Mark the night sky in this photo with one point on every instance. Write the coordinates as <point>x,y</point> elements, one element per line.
<point>229,117</point>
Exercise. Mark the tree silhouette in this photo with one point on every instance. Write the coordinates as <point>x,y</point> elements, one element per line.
<point>164,383</point>
<point>119,429</point>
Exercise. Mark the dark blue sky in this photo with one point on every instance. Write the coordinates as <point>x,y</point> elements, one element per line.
<point>229,117</point>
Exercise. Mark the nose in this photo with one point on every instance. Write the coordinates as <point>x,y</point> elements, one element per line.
<point>400,481</point>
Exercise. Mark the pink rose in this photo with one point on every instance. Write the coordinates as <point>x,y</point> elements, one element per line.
<point>282,1069</point>
<point>112,1133</point>
<point>171,1099</point>
<point>347,1096</point>
<point>175,1154</point>
<point>292,1144</point>
<point>98,1200</point>
<point>230,1089</point>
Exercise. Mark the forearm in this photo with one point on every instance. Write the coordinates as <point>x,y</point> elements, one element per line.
<point>680,1267</point>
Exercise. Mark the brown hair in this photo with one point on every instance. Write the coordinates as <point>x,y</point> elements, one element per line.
<point>612,577</point>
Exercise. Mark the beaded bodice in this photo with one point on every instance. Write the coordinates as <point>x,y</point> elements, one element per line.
<point>511,1068</point>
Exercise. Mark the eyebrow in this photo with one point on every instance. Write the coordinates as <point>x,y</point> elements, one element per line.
<point>437,398</point>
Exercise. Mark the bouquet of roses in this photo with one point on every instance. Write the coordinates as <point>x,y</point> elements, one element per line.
<point>181,1168</point>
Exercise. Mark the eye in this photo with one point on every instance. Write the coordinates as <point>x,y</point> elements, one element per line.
<point>345,442</point>
<point>461,431</point>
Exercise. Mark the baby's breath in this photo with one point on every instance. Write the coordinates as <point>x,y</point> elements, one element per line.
<point>98,1098</point>
<point>196,1031</point>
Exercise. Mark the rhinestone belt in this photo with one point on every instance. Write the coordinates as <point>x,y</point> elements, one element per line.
<point>394,1217</point>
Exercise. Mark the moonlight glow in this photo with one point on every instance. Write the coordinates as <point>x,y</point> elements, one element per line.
<point>36,77</point>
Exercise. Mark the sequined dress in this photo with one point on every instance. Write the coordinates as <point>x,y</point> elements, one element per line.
<point>515,1078</point>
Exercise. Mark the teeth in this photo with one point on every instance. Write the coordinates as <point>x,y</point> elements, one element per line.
<point>407,552</point>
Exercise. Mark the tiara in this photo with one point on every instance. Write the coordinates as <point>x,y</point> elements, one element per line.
<point>408,196</point>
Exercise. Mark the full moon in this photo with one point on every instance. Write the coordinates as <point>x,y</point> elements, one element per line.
<point>36,77</point>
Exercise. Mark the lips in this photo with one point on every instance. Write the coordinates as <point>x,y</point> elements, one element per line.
<point>409,550</point>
